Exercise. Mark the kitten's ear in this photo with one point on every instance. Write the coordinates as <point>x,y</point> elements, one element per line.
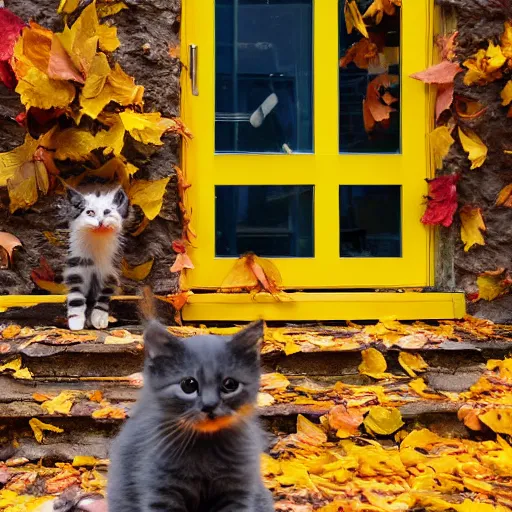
<point>121,202</point>
<point>247,340</point>
<point>158,341</point>
<point>76,199</point>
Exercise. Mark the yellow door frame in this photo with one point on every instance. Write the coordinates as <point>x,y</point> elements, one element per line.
<point>326,168</point>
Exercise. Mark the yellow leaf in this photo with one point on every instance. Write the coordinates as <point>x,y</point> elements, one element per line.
<point>109,411</point>
<point>15,366</point>
<point>67,6</point>
<point>269,465</point>
<point>138,273</point>
<point>22,187</point>
<point>148,195</point>
<point>484,66</point>
<point>12,330</point>
<point>383,420</point>
<point>11,161</point>
<point>374,364</point>
<point>37,90</point>
<point>476,149</point>
<point>419,386</point>
<point>265,399</point>
<point>23,374</point>
<point>38,426</point>
<point>440,143</point>
<point>52,287</point>
<point>84,460</point>
<point>492,284</point>
<point>111,8</point>
<point>77,144</point>
<point>294,473</point>
<point>472,227</point>
<point>498,420</point>
<point>506,40</point>
<point>506,94</point>
<point>353,18</point>
<point>61,404</point>
<point>147,128</point>
<point>274,382</point>
<point>119,87</point>
<point>411,363</point>
<point>108,40</point>
<point>97,76</point>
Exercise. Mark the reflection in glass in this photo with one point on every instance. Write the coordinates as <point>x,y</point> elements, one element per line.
<point>370,221</point>
<point>267,220</point>
<point>369,88</point>
<point>263,65</point>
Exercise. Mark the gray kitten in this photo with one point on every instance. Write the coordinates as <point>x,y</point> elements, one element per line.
<point>193,443</point>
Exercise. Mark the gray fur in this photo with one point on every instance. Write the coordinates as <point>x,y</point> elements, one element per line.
<point>157,464</point>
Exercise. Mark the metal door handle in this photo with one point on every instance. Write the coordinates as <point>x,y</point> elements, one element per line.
<point>193,68</point>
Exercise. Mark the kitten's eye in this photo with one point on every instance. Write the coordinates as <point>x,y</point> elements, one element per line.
<point>90,213</point>
<point>189,385</point>
<point>106,212</point>
<point>229,385</point>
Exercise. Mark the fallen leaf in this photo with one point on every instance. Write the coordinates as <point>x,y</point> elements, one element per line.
<point>362,54</point>
<point>374,364</point>
<point>11,332</point>
<point>250,272</point>
<point>442,73</point>
<point>310,433</point>
<point>38,426</point>
<point>265,399</point>
<point>149,128</point>
<point>148,195</point>
<point>419,386</point>
<point>506,40</point>
<point>472,227</point>
<point>476,149</point>
<point>67,6</point>
<point>498,420</point>
<point>353,18</point>
<point>442,200</point>
<point>505,197</point>
<point>379,109</point>
<point>469,109</point>
<point>40,397</point>
<point>95,396</point>
<point>440,143</point>
<point>109,411</point>
<point>383,420</point>
<point>182,258</point>
<point>506,94</point>
<point>43,276</point>
<point>493,283</point>
<point>444,99</point>
<point>18,371</point>
<point>61,404</point>
<point>470,417</point>
<point>380,7</point>
<point>446,45</point>
<point>137,273</point>
<point>485,66</point>
<point>411,363</point>
<point>60,66</point>
<point>66,478</point>
<point>273,382</point>
<point>86,460</point>
<point>345,421</point>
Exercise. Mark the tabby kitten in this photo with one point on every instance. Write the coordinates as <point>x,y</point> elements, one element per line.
<point>193,444</point>
<point>94,243</point>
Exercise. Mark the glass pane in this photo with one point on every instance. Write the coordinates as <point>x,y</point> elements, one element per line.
<point>370,221</point>
<point>263,66</point>
<point>369,82</point>
<point>267,220</point>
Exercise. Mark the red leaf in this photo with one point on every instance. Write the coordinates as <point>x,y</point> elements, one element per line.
<point>444,99</point>
<point>60,66</point>
<point>442,201</point>
<point>378,109</point>
<point>179,247</point>
<point>442,73</point>
<point>10,28</point>
<point>44,271</point>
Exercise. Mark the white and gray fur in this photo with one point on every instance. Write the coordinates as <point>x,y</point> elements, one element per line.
<point>159,462</point>
<point>91,273</point>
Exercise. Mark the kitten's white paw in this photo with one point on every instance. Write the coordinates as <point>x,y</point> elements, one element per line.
<point>76,323</point>
<point>99,319</point>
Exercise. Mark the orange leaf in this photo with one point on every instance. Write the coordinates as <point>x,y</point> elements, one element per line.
<point>109,411</point>
<point>442,73</point>
<point>60,65</point>
<point>380,7</point>
<point>378,109</point>
<point>345,421</point>
<point>8,243</point>
<point>177,301</point>
<point>182,261</point>
<point>362,54</point>
<point>505,197</point>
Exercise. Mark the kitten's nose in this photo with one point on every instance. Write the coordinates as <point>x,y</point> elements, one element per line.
<point>209,409</point>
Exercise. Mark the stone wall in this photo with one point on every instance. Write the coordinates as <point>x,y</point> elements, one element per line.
<point>146,30</point>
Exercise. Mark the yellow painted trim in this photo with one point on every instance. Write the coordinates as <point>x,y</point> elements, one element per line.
<point>324,306</point>
<point>326,169</point>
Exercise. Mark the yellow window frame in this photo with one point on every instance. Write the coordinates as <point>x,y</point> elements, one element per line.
<point>326,168</point>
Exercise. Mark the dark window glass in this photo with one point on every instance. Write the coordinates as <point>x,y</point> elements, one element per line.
<point>263,82</point>
<point>370,221</point>
<point>264,219</point>
<point>369,83</point>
